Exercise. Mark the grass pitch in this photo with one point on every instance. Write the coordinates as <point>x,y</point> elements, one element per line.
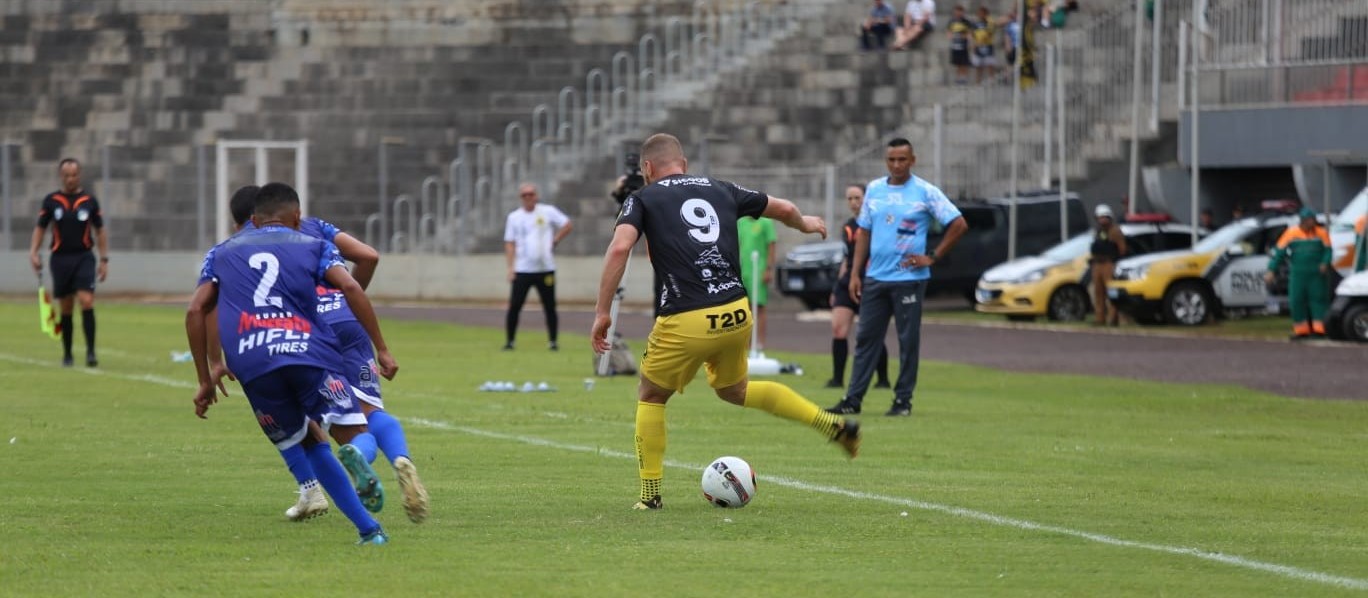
<point>1000,484</point>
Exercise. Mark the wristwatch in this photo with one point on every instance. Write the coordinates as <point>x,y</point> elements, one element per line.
<point>931,254</point>
<point>104,260</point>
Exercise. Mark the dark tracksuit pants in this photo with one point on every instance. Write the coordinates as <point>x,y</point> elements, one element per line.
<point>880,301</point>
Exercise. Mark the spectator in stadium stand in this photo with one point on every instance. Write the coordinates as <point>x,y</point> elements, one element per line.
<point>918,20</point>
<point>1238,212</point>
<point>1011,35</point>
<point>959,31</point>
<point>1027,47</point>
<point>876,29</point>
<point>984,39</point>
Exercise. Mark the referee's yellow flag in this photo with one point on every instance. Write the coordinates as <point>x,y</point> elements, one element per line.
<point>47,320</point>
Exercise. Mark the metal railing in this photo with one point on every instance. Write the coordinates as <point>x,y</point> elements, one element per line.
<point>583,124</point>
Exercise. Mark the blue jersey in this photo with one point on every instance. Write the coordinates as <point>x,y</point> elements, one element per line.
<point>332,305</point>
<point>898,218</point>
<point>267,306</point>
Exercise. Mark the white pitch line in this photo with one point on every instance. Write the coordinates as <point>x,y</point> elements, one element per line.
<point>154,379</point>
<point>1288,571</point>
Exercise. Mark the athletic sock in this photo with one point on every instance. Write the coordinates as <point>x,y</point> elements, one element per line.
<point>67,333</point>
<point>650,447</point>
<point>298,462</point>
<point>840,350</point>
<point>388,434</point>
<point>338,485</point>
<point>88,326</point>
<point>365,442</point>
<point>780,400</point>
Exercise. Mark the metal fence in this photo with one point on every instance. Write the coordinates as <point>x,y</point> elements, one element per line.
<point>584,124</point>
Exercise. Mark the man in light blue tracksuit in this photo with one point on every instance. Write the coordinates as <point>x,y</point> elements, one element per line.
<point>897,213</point>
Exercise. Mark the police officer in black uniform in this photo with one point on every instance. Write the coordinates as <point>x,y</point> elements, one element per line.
<point>77,227</point>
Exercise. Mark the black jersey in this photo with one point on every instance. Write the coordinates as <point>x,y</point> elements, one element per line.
<point>851,228</point>
<point>72,217</point>
<point>690,225</point>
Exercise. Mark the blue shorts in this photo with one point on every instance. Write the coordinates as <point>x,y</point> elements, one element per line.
<point>284,399</point>
<point>358,362</point>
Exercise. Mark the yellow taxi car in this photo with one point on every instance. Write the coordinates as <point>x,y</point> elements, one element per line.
<point>1054,284</point>
<point>1221,273</point>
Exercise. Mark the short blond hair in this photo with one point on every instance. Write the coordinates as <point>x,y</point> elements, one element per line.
<point>661,149</point>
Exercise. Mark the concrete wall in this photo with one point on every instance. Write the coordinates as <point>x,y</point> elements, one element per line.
<point>403,277</point>
<point>1274,136</point>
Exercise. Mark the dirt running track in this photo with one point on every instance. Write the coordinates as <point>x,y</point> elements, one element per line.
<point>1311,370</point>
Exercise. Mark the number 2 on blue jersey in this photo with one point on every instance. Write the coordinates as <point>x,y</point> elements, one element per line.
<point>270,267</point>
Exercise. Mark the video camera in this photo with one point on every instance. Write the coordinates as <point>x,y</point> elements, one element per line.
<point>632,179</point>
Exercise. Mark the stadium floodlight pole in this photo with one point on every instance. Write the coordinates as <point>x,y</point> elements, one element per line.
<point>1016,126</point>
<point>1137,77</point>
<point>613,316</point>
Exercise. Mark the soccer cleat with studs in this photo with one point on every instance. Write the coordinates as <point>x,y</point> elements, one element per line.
<point>375,538</point>
<point>849,437</point>
<point>415,495</point>
<point>655,504</point>
<point>312,503</point>
<point>368,486</point>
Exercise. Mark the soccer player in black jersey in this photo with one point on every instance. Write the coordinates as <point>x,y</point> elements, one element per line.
<point>702,315</point>
<point>77,227</point>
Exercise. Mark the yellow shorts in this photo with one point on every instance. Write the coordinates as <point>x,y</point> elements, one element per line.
<point>718,337</point>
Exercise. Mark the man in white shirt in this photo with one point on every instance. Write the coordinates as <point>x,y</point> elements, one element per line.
<point>530,235</point>
<point>919,19</point>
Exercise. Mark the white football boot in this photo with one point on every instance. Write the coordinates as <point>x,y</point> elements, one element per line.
<point>312,503</point>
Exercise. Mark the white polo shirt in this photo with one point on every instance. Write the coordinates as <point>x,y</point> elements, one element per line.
<point>917,8</point>
<point>532,235</point>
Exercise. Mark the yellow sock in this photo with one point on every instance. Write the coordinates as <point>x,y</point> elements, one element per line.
<point>780,400</point>
<point>650,447</point>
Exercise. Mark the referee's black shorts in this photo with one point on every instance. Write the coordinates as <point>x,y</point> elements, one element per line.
<point>72,272</point>
<point>841,296</point>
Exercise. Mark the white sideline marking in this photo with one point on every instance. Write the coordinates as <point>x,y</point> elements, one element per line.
<point>1297,573</point>
<point>1237,561</point>
<point>80,367</point>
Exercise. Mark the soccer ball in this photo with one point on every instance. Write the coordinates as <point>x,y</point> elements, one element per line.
<point>729,482</point>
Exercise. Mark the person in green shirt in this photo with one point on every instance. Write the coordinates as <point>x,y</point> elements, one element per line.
<point>1306,247</point>
<point>757,239</point>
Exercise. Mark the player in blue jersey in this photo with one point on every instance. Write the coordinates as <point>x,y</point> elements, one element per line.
<point>263,283</point>
<point>358,359</point>
<point>359,366</point>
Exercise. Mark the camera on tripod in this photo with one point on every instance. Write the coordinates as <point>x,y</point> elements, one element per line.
<point>632,179</point>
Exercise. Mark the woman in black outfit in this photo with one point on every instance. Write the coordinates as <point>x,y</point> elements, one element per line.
<point>843,308</point>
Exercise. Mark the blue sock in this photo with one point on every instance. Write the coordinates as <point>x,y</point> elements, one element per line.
<point>389,434</point>
<point>298,462</point>
<point>365,442</point>
<point>339,487</point>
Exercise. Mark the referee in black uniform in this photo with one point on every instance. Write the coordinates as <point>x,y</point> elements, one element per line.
<point>77,227</point>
